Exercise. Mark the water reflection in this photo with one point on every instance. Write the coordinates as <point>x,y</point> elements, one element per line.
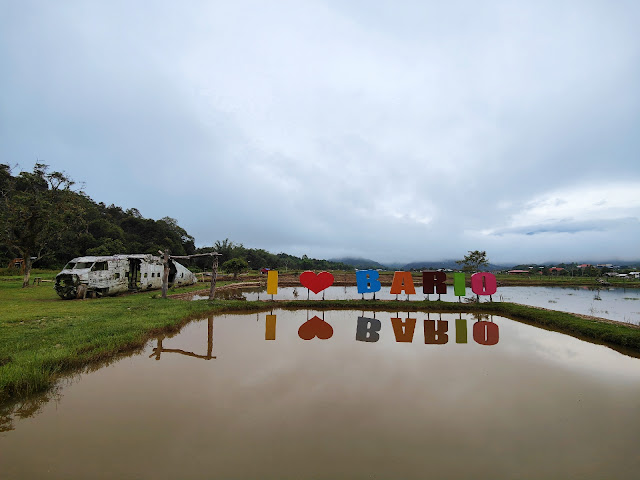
<point>26,408</point>
<point>435,331</point>
<point>159,349</point>
<point>537,404</point>
<point>315,327</point>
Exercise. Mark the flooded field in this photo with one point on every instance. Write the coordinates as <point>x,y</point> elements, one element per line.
<point>618,304</point>
<point>348,394</point>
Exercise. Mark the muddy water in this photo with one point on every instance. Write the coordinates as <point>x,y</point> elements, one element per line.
<point>359,404</point>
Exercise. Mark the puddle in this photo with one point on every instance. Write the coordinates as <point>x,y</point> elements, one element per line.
<point>245,397</point>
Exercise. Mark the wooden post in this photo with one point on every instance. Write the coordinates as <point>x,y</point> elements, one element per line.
<point>214,275</point>
<point>165,273</point>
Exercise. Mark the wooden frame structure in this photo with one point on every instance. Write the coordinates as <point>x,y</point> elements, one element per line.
<point>165,274</point>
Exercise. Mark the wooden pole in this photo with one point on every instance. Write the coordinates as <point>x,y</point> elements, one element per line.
<point>214,275</point>
<point>165,273</point>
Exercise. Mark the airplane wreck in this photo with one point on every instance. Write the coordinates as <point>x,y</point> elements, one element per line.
<point>111,275</point>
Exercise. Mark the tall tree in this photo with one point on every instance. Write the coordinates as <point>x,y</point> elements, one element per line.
<point>36,209</point>
<point>474,261</point>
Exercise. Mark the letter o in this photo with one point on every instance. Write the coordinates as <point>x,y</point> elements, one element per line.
<point>483,283</point>
<point>486,333</point>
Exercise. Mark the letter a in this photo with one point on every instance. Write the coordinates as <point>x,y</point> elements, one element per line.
<point>404,330</point>
<point>402,281</point>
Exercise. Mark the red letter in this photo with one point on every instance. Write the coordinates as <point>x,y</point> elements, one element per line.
<point>483,283</point>
<point>486,333</point>
<point>434,280</point>
<point>436,336</point>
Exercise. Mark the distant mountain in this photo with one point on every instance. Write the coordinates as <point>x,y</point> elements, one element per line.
<point>620,263</point>
<point>451,264</point>
<point>360,263</point>
<point>366,263</point>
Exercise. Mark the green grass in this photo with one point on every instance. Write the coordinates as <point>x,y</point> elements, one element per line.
<point>42,336</point>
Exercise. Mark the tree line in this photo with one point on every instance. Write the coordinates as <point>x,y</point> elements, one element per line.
<point>47,221</point>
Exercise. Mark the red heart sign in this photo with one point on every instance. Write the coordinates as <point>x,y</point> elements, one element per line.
<point>315,327</point>
<point>316,283</point>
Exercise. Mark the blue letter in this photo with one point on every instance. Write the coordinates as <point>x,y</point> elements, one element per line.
<point>367,281</point>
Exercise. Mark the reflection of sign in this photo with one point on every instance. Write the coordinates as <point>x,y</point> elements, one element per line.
<point>315,327</point>
<point>270,328</point>
<point>316,283</point>
<point>436,332</point>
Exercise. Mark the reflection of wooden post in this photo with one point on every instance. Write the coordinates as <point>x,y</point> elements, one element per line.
<point>214,275</point>
<point>210,337</point>
<point>165,273</point>
<point>159,348</point>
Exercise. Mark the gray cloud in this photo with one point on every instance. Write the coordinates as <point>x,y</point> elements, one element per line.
<point>330,128</point>
<point>570,226</point>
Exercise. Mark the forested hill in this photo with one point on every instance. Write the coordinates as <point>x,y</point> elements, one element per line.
<point>43,216</point>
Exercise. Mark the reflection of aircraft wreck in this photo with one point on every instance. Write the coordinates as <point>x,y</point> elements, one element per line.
<point>116,274</point>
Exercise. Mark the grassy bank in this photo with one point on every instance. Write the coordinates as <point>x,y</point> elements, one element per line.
<point>42,336</point>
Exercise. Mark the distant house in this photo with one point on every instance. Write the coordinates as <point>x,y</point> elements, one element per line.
<point>634,274</point>
<point>585,265</point>
<point>264,270</point>
<point>518,272</point>
<point>556,270</point>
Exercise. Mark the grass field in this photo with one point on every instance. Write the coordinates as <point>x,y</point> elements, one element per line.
<point>42,336</point>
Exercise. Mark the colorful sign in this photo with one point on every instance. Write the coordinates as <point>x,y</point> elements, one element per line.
<point>435,332</point>
<point>368,281</point>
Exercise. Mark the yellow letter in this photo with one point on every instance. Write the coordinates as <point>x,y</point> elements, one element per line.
<point>272,282</point>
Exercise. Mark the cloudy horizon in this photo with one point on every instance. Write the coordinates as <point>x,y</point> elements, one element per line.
<point>391,131</point>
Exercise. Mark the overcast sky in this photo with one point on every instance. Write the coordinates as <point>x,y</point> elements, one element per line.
<point>396,131</point>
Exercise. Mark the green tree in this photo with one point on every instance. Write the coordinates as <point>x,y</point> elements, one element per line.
<point>36,210</point>
<point>474,261</point>
<point>235,266</point>
<point>225,248</point>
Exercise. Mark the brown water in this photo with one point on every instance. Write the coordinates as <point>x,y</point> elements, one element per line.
<point>536,404</point>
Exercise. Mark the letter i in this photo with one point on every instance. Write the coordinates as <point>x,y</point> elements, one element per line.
<point>272,282</point>
<point>270,328</point>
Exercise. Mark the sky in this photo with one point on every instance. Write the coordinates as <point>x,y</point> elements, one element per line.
<point>395,131</point>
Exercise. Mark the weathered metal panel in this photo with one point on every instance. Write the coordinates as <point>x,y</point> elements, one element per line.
<point>110,275</point>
